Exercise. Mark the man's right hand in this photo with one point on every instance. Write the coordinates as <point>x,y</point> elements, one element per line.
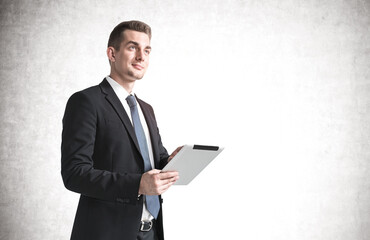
<point>155,182</point>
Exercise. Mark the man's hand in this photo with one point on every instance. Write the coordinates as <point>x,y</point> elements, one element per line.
<point>155,182</point>
<point>174,153</point>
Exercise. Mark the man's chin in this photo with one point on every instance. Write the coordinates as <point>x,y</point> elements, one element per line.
<point>136,76</point>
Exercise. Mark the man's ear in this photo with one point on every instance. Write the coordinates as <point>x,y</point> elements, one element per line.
<point>111,54</point>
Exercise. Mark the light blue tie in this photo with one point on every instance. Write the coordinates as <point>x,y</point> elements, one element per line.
<point>152,202</point>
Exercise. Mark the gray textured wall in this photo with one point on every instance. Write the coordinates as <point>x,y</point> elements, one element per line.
<point>285,87</point>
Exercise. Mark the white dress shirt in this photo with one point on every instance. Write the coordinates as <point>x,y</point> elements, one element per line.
<point>122,94</point>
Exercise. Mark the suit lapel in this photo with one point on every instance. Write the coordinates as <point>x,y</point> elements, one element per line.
<point>117,106</point>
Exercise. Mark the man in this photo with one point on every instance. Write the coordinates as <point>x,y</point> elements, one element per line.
<point>111,142</point>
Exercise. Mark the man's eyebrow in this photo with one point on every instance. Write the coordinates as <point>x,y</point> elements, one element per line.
<point>137,44</point>
<point>132,42</point>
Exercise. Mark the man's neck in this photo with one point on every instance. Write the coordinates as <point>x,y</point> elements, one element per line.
<point>127,85</point>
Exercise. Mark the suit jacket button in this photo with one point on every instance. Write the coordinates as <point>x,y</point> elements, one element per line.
<point>119,200</point>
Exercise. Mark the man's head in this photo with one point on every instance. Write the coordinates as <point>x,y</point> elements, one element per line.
<point>116,36</point>
<point>128,51</point>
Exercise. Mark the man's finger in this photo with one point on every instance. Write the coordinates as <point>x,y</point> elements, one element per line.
<point>166,175</point>
<point>165,187</point>
<point>154,171</point>
<point>174,153</point>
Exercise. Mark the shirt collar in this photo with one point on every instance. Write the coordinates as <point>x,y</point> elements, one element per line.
<point>118,89</point>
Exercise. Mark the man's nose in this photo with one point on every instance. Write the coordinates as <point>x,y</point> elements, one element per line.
<point>140,56</point>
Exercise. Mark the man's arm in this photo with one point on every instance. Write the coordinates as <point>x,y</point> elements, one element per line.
<point>78,141</point>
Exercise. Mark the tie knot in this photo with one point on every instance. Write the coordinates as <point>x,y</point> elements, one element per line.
<point>131,101</point>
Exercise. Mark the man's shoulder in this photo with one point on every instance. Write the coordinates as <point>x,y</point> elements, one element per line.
<point>92,91</point>
<point>87,93</point>
<point>91,94</point>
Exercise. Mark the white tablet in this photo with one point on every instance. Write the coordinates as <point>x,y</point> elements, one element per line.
<point>191,160</point>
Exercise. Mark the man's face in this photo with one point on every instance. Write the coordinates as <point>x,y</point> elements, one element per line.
<point>132,60</point>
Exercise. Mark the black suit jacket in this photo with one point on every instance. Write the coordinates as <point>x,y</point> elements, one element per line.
<point>101,161</point>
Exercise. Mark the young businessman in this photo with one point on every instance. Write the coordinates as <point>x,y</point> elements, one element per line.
<point>112,149</point>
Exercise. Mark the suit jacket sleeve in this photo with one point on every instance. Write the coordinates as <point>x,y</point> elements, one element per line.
<point>78,140</point>
<point>162,152</point>
<point>163,155</point>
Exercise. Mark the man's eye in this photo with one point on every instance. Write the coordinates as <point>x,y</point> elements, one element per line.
<point>147,52</point>
<point>132,47</point>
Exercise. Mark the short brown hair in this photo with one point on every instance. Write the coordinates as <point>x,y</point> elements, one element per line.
<point>116,36</point>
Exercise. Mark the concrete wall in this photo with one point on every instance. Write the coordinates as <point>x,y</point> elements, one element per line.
<point>283,85</point>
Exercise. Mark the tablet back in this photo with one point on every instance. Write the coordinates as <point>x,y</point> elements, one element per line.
<point>191,160</point>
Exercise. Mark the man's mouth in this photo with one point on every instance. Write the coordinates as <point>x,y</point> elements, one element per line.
<point>137,66</point>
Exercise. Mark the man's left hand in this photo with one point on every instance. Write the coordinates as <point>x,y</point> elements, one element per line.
<point>174,153</point>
